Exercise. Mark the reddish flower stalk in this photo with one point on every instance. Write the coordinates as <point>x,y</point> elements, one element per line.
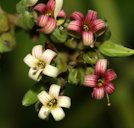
<point>88,26</point>
<point>46,19</point>
<point>101,80</point>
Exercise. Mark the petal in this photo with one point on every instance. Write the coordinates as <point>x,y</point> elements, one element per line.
<point>50,70</point>
<point>88,39</point>
<point>44,97</point>
<point>35,74</point>
<point>110,88</point>
<point>58,114</point>
<point>75,26</point>
<point>37,51</point>
<point>98,93</point>
<point>92,15</point>
<point>44,112</point>
<point>64,101</point>
<point>62,14</point>
<point>77,15</point>
<point>58,6</point>
<point>90,80</point>
<point>42,20</point>
<point>48,55</point>
<point>101,66</point>
<point>51,5</point>
<point>50,26</point>
<point>110,75</point>
<point>98,26</point>
<point>54,90</point>
<point>40,7</point>
<point>30,60</point>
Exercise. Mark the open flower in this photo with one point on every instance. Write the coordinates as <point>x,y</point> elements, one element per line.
<point>52,103</point>
<point>88,26</point>
<point>101,80</point>
<point>39,63</point>
<point>46,19</point>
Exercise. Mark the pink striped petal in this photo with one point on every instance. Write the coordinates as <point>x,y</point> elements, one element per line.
<point>92,15</point>
<point>62,14</point>
<point>98,26</point>
<point>98,93</point>
<point>90,80</point>
<point>42,20</point>
<point>77,15</point>
<point>37,51</point>
<point>75,26</point>
<point>110,75</point>
<point>40,7</point>
<point>101,66</point>
<point>51,5</point>
<point>88,39</point>
<point>110,88</point>
<point>50,26</point>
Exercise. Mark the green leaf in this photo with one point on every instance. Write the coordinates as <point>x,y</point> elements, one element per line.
<point>111,49</point>
<point>30,96</point>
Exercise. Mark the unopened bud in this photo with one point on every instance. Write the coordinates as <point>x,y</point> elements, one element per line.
<point>4,22</point>
<point>71,43</point>
<point>7,42</point>
<point>29,3</point>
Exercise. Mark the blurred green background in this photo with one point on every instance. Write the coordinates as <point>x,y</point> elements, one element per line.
<point>85,112</point>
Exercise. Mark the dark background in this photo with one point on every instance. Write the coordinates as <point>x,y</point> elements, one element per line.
<point>85,112</point>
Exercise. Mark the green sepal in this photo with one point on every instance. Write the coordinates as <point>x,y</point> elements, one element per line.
<point>30,96</point>
<point>111,49</point>
<point>59,36</point>
<point>73,76</point>
<point>71,43</point>
<point>61,62</point>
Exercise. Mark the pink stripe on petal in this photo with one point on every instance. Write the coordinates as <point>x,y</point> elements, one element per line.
<point>62,14</point>
<point>90,80</point>
<point>88,39</point>
<point>110,88</point>
<point>101,66</point>
<point>40,7</point>
<point>77,15</point>
<point>110,75</point>
<point>92,15</point>
<point>42,20</point>
<point>51,4</point>
<point>37,51</point>
<point>98,25</point>
<point>50,26</point>
<point>75,26</point>
<point>98,93</point>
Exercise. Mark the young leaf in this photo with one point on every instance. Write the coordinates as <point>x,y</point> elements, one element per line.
<point>30,96</point>
<point>109,48</point>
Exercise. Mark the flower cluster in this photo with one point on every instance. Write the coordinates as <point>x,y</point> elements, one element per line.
<point>72,55</point>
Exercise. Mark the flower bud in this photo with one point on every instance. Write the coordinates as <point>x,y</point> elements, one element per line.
<point>29,3</point>
<point>4,22</point>
<point>71,43</point>
<point>59,35</point>
<point>90,58</point>
<point>7,42</point>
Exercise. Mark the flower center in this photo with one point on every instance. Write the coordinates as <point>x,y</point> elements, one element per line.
<point>49,13</point>
<point>52,103</point>
<point>41,64</point>
<point>86,27</point>
<point>100,81</point>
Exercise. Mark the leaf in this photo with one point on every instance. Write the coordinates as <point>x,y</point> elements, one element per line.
<point>58,6</point>
<point>109,48</point>
<point>30,96</point>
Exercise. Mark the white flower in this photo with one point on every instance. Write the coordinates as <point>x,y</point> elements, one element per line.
<point>52,103</point>
<point>39,63</point>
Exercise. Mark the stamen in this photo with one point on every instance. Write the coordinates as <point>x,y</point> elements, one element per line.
<point>108,100</point>
<point>85,27</point>
<point>52,103</point>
